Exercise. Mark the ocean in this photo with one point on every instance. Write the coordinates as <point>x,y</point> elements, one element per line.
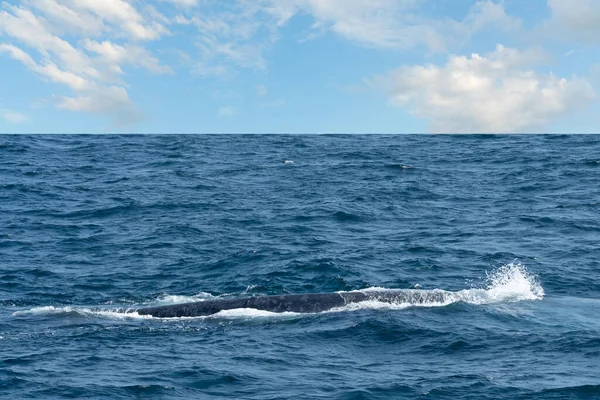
<point>93,228</point>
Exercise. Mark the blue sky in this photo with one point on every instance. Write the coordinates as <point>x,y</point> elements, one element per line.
<point>299,66</point>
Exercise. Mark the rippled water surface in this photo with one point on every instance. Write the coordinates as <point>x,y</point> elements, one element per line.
<point>507,228</point>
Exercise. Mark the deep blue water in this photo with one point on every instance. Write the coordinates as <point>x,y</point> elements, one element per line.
<point>93,227</point>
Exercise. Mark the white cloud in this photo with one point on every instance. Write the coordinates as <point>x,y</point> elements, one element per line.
<point>24,26</point>
<point>88,46</point>
<point>48,70</point>
<point>379,23</point>
<point>237,33</point>
<point>56,41</point>
<point>92,98</point>
<point>182,3</point>
<point>495,93</point>
<point>232,34</point>
<point>112,100</point>
<point>12,117</point>
<point>116,18</point>
<point>394,24</point>
<point>123,16</point>
<point>579,20</point>
<point>60,18</point>
<point>387,24</point>
<point>114,55</point>
<point>491,15</point>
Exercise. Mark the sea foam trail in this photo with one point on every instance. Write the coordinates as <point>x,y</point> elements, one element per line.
<point>118,313</point>
<point>510,283</point>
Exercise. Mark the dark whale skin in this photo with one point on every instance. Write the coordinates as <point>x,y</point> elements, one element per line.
<point>297,303</point>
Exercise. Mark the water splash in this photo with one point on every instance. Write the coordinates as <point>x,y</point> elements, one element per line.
<point>119,313</point>
<point>250,313</point>
<point>167,299</point>
<point>513,282</point>
<point>509,283</point>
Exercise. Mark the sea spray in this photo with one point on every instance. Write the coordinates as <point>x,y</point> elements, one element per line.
<point>513,281</point>
<point>509,283</point>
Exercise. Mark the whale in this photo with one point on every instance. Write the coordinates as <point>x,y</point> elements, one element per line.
<point>296,303</point>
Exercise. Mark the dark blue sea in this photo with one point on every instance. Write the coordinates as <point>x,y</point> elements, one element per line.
<point>93,228</point>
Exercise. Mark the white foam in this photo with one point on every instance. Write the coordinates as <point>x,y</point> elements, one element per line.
<point>88,312</point>
<point>42,311</point>
<point>251,313</point>
<point>370,305</point>
<point>167,299</point>
<point>125,314</point>
<point>371,289</point>
<point>251,287</point>
<point>510,283</point>
<point>513,282</point>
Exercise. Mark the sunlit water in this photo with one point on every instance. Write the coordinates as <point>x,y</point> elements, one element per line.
<point>497,240</point>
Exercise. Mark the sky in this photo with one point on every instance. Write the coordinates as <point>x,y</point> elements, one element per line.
<point>300,66</point>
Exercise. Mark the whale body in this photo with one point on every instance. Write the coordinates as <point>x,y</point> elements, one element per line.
<point>297,303</point>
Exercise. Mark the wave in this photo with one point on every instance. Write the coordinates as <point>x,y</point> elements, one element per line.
<point>510,283</point>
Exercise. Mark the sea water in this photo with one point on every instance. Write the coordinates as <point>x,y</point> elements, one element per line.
<point>505,230</point>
